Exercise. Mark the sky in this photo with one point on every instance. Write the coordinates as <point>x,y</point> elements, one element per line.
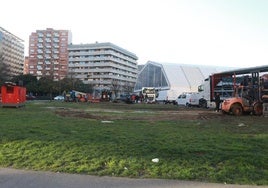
<point>229,33</point>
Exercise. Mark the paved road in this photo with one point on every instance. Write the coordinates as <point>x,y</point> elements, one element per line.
<point>11,178</point>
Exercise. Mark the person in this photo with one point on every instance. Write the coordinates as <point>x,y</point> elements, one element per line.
<point>217,101</point>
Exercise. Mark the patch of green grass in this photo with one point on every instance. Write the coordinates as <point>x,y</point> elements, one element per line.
<point>213,150</point>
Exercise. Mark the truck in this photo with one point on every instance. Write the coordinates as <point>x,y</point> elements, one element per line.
<point>149,94</point>
<point>215,83</point>
<point>167,96</point>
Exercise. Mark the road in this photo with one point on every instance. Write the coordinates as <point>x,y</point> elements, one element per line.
<point>12,178</point>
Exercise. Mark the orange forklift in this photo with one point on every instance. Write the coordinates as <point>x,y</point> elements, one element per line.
<point>250,95</point>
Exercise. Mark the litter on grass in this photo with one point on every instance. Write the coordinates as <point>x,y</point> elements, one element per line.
<point>241,125</point>
<point>107,121</point>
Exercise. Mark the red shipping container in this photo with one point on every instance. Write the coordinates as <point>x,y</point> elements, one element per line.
<point>13,95</point>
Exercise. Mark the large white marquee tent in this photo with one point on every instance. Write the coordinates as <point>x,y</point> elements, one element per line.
<point>173,79</point>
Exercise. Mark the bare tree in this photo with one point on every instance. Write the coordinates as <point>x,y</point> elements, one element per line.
<point>115,87</point>
<point>128,87</point>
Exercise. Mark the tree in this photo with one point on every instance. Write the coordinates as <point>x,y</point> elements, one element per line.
<point>27,80</point>
<point>47,86</point>
<point>115,87</point>
<point>128,87</point>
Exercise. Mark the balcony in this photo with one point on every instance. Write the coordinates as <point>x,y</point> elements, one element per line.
<point>56,34</point>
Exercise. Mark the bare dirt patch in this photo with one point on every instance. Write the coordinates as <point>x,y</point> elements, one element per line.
<point>182,114</point>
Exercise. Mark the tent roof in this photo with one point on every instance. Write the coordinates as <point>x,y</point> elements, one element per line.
<point>187,76</point>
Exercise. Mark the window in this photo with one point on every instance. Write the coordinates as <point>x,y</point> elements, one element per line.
<point>10,89</point>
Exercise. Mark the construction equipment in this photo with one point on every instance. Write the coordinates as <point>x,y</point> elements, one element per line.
<point>250,95</point>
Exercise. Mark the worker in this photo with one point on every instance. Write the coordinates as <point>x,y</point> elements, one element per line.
<point>217,101</point>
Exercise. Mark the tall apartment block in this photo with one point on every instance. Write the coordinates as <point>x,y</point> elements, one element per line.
<point>103,65</point>
<point>11,54</point>
<point>48,53</point>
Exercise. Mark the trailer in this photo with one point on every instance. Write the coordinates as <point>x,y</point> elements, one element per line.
<point>242,91</point>
<point>216,83</point>
<point>13,95</point>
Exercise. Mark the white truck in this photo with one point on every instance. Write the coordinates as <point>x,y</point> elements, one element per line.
<point>204,91</point>
<point>217,83</point>
<point>167,96</point>
<point>149,94</point>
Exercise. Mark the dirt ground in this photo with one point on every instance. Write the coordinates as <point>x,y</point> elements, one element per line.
<point>180,114</point>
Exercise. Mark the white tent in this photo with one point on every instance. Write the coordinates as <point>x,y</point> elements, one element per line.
<point>173,79</point>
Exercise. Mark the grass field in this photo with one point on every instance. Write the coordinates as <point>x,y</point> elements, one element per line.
<point>117,139</point>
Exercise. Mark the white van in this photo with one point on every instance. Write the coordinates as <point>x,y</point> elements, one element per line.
<point>188,99</point>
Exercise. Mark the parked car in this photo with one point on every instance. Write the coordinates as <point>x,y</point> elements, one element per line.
<point>188,99</point>
<point>59,98</point>
<point>30,97</point>
<point>127,98</point>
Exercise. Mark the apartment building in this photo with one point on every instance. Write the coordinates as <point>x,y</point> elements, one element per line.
<point>26,65</point>
<point>11,54</point>
<point>103,65</point>
<point>48,53</point>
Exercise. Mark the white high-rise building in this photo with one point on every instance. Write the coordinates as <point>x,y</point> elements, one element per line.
<point>11,53</point>
<point>103,65</point>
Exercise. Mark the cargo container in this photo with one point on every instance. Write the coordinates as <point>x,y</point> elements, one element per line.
<point>13,95</point>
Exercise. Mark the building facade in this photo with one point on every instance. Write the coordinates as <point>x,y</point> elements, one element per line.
<point>11,54</point>
<point>48,53</point>
<point>104,65</point>
<point>26,65</point>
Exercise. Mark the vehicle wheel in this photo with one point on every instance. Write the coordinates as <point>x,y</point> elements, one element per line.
<point>257,109</point>
<point>223,112</point>
<point>237,110</point>
<point>203,103</point>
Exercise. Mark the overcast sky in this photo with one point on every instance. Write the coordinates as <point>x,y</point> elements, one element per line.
<point>206,32</point>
